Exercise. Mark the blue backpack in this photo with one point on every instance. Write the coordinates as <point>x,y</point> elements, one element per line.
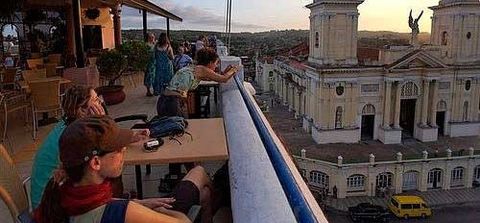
<point>167,126</point>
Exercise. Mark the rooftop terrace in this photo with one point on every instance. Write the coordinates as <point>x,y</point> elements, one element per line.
<point>277,193</point>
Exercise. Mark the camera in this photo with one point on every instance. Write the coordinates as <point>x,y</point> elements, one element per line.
<point>152,145</point>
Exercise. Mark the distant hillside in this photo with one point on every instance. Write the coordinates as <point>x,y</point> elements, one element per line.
<point>270,42</point>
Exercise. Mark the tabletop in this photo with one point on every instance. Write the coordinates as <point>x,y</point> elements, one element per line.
<point>24,85</point>
<point>208,142</point>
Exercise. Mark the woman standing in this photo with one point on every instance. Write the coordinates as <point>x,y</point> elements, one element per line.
<point>173,100</point>
<point>163,64</point>
<point>150,73</point>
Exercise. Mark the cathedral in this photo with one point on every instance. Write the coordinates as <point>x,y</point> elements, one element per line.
<point>345,94</point>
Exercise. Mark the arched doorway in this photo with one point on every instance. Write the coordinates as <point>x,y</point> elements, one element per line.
<point>434,180</point>
<point>441,114</point>
<point>457,177</point>
<point>409,94</point>
<point>9,39</point>
<point>383,183</point>
<point>368,122</point>
<point>410,180</point>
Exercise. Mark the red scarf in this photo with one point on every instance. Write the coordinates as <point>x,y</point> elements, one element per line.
<point>80,200</point>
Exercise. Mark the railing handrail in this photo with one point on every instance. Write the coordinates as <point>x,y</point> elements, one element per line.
<point>387,162</point>
<point>297,201</point>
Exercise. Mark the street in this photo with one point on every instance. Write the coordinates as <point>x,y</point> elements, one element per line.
<point>460,214</point>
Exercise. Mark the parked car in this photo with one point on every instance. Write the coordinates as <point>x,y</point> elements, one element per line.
<point>366,212</point>
<point>409,206</point>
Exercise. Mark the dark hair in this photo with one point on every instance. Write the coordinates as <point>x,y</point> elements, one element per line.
<point>163,39</point>
<point>206,55</point>
<point>74,98</point>
<point>50,209</point>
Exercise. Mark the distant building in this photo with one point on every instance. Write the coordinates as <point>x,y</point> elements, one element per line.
<point>345,94</point>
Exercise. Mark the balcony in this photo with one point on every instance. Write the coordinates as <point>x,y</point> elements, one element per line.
<point>265,184</point>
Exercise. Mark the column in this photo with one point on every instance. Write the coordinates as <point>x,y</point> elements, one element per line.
<point>433,115</point>
<point>117,26</point>
<point>69,35</point>
<point>348,106</point>
<point>332,113</point>
<point>386,110</point>
<point>426,86</point>
<point>77,24</point>
<point>144,21</point>
<point>397,106</point>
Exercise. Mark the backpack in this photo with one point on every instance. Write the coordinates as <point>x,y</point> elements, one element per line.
<point>168,126</point>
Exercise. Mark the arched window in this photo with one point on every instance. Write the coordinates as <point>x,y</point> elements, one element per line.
<point>442,106</point>
<point>409,90</point>
<point>444,38</point>
<point>319,179</point>
<point>10,38</point>
<point>338,118</point>
<point>468,85</point>
<point>465,111</point>
<point>457,177</point>
<point>368,109</point>
<point>476,173</point>
<point>316,39</point>
<point>356,183</point>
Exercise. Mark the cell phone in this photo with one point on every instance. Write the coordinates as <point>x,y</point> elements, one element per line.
<point>152,145</point>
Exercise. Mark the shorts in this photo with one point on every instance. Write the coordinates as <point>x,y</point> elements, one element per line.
<point>186,195</point>
<point>169,105</point>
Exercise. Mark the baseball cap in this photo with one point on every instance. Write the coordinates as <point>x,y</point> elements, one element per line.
<point>87,137</point>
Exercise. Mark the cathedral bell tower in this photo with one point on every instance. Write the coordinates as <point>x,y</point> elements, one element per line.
<point>333,32</point>
<point>456,28</point>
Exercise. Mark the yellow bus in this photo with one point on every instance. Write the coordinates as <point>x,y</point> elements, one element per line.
<point>409,206</point>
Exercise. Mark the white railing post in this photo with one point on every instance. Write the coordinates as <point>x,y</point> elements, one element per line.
<point>399,157</point>
<point>425,154</point>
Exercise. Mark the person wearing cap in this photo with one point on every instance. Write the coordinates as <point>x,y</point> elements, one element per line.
<point>78,102</point>
<point>92,151</point>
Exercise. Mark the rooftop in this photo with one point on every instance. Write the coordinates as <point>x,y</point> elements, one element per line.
<point>290,131</point>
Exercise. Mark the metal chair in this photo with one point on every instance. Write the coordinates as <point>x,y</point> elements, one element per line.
<point>51,69</point>
<point>13,190</point>
<point>45,98</point>
<point>32,75</point>
<point>35,63</point>
<point>12,101</point>
<point>8,78</point>
<point>55,58</point>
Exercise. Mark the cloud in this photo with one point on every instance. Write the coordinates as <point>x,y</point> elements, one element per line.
<point>193,17</point>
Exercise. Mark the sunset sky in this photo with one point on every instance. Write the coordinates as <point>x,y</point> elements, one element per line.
<point>264,15</point>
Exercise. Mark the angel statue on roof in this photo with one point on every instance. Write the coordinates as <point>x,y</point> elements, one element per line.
<point>414,26</point>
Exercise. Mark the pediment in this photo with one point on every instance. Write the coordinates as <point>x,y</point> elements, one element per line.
<point>417,59</point>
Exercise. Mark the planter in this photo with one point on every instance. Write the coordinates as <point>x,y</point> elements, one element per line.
<point>112,95</point>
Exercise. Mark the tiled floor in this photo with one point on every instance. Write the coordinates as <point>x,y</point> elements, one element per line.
<point>20,140</point>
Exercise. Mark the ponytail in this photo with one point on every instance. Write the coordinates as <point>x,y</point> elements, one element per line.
<point>50,210</point>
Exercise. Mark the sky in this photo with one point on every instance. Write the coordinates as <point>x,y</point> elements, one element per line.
<point>264,15</point>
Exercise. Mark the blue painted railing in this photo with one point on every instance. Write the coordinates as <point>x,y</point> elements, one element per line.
<point>301,209</point>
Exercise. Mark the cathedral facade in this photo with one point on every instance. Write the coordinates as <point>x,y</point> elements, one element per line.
<point>414,91</point>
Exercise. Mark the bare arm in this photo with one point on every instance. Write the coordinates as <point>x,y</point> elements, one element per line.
<point>170,52</point>
<point>209,75</point>
<point>138,213</point>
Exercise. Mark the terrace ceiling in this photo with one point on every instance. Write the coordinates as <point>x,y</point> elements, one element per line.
<point>137,4</point>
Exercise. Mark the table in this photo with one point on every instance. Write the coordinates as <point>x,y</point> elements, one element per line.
<point>24,85</point>
<point>208,143</point>
<point>210,84</point>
